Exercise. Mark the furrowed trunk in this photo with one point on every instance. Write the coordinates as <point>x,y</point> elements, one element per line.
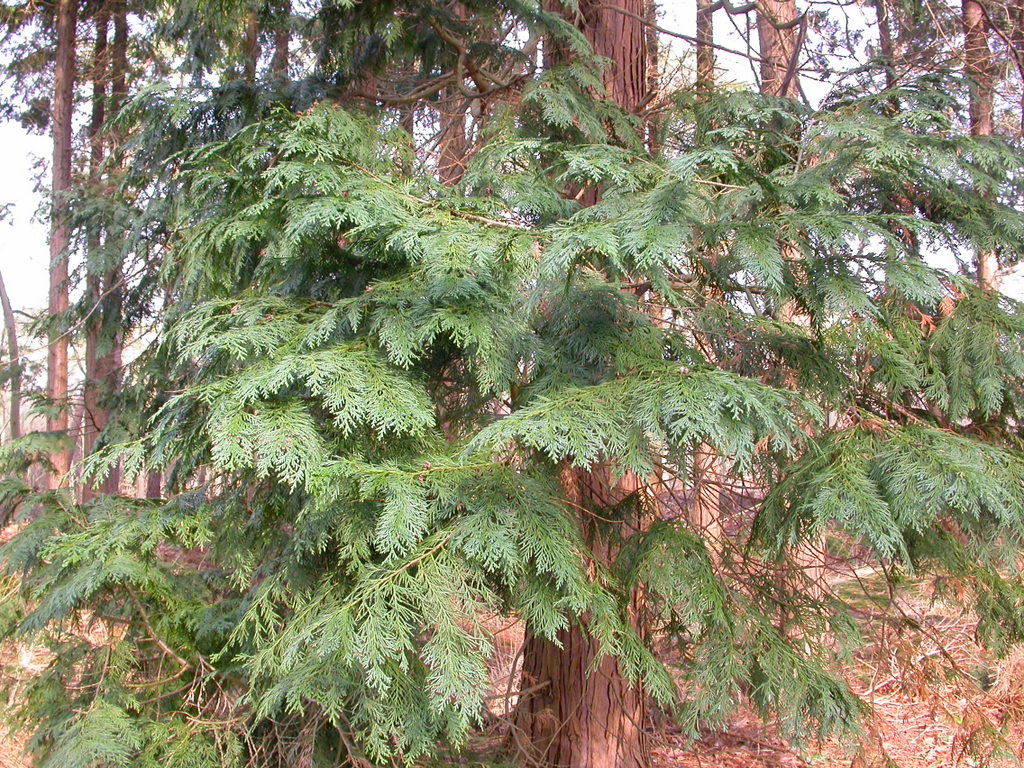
<point>616,31</point>
<point>95,415</point>
<point>575,718</point>
<point>577,709</point>
<point>452,146</point>
<point>63,107</point>
<point>779,43</point>
<point>978,67</point>
<point>705,53</point>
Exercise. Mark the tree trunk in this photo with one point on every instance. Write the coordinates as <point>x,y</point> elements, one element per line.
<point>575,712</point>
<point>621,38</point>
<point>63,107</point>
<point>776,28</point>
<point>452,146</point>
<point>282,39</point>
<point>119,57</point>
<point>95,416</point>
<point>572,718</point>
<point>978,67</point>
<point>885,42</point>
<point>109,340</point>
<point>709,470</point>
<point>705,53</point>
<point>251,45</point>
<point>15,355</point>
<point>777,36</point>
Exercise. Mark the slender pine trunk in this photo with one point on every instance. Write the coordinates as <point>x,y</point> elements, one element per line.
<point>63,109</point>
<point>778,39</point>
<point>980,74</point>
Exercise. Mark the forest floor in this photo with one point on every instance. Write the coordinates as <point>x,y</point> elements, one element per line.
<point>937,700</point>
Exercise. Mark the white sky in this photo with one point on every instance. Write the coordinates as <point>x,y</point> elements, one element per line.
<point>24,253</point>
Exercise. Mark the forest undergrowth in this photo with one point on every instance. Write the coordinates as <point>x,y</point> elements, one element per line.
<point>938,699</point>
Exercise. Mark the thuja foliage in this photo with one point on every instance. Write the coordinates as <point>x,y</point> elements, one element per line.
<point>370,387</point>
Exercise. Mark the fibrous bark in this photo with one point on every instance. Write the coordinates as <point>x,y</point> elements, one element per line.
<point>704,50</point>
<point>577,708</point>
<point>978,67</point>
<point>779,42</point>
<point>63,107</point>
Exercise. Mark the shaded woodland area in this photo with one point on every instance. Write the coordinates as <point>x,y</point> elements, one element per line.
<point>507,382</point>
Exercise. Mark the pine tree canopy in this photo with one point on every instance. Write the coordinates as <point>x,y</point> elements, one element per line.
<point>366,389</point>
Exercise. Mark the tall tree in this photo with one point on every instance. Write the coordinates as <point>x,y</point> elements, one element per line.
<point>95,376</point>
<point>578,708</point>
<point>777,33</point>
<point>391,413</point>
<point>61,130</point>
<point>979,70</point>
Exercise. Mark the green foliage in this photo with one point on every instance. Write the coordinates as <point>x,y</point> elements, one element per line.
<point>370,386</point>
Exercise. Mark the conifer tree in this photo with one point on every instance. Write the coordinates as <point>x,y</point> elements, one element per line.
<point>395,410</point>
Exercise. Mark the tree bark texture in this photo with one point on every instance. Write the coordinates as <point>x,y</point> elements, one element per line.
<point>705,51</point>
<point>95,417</point>
<point>577,710</point>
<point>779,43</point>
<point>63,107</point>
<point>621,38</point>
<point>452,145</point>
<point>980,74</point>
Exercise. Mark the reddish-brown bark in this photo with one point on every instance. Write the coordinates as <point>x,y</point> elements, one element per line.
<point>103,338</point>
<point>63,107</point>
<point>94,414</point>
<point>779,42</point>
<point>577,710</point>
<point>704,50</point>
<point>978,67</point>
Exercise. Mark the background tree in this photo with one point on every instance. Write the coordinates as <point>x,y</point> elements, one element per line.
<point>61,128</point>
